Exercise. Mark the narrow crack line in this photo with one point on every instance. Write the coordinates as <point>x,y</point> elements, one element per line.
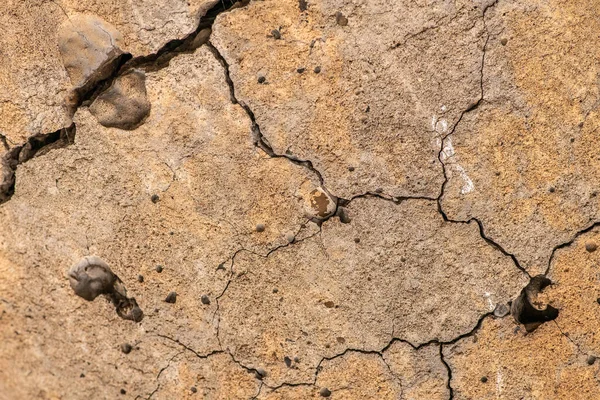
<point>394,199</point>
<point>258,391</point>
<point>259,140</point>
<point>381,352</point>
<point>441,157</point>
<point>569,243</point>
<point>568,337</point>
<point>159,374</point>
<point>208,355</point>
<point>232,272</point>
<point>449,370</point>
<point>178,342</point>
<point>168,364</point>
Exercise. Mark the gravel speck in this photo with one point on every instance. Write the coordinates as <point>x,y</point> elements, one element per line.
<point>591,247</point>
<point>171,298</point>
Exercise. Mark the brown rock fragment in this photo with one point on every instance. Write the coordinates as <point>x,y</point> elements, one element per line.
<point>90,48</point>
<point>124,104</point>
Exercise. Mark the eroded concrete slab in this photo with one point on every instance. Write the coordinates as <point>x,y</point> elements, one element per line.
<point>396,270</point>
<point>367,100</point>
<point>522,162</point>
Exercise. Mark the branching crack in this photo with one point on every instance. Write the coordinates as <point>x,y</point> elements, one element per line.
<point>259,140</point>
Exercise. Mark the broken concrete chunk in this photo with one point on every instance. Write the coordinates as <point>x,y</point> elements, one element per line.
<point>525,310</point>
<point>124,105</point>
<point>319,204</point>
<point>92,276</point>
<point>89,47</point>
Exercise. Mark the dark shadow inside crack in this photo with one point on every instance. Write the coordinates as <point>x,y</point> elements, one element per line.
<point>526,310</point>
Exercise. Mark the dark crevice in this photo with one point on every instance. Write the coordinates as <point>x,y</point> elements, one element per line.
<point>259,140</point>
<point>36,145</point>
<point>449,370</point>
<point>524,310</point>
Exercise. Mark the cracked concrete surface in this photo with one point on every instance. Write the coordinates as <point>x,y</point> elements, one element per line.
<point>307,199</point>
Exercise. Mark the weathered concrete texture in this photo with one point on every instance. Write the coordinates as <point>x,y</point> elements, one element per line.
<point>124,105</point>
<point>331,199</point>
<point>420,372</point>
<point>212,187</point>
<point>217,377</point>
<point>394,271</point>
<point>524,162</point>
<point>34,85</point>
<point>554,361</point>
<point>366,102</point>
<point>400,373</point>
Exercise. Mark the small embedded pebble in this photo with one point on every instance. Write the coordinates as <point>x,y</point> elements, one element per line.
<point>261,79</point>
<point>287,361</point>
<point>159,268</point>
<point>275,290</point>
<point>591,247</point>
<point>552,190</point>
<point>276,34</point>
<point>300,70</point>
<point>155,198</point>
<point>171,298</point>
<point>356,240</point>
<point>290,237</point>
<point>261,373</point>
<point>140,278</point>
<point>484,379</point>
<point>341,19</point>
<point>591,360</point>
<point>260,227</point>
<point>341,340</point>
<point>220,266</point>
<point>598,300</point>
<point>344,217</point>
<point>204,299</point>
<point>296,359</point>
<point>324,392</point>
<point>126,348</point>
<point>501,310</point>
<point>123,391</point>
<point>193,389</point>
<point>379,190</point>
<point>503,41</point>
<point>329,304</point>
<point>317,70</point>
<point>350,168</point>
<point>82,375</point>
